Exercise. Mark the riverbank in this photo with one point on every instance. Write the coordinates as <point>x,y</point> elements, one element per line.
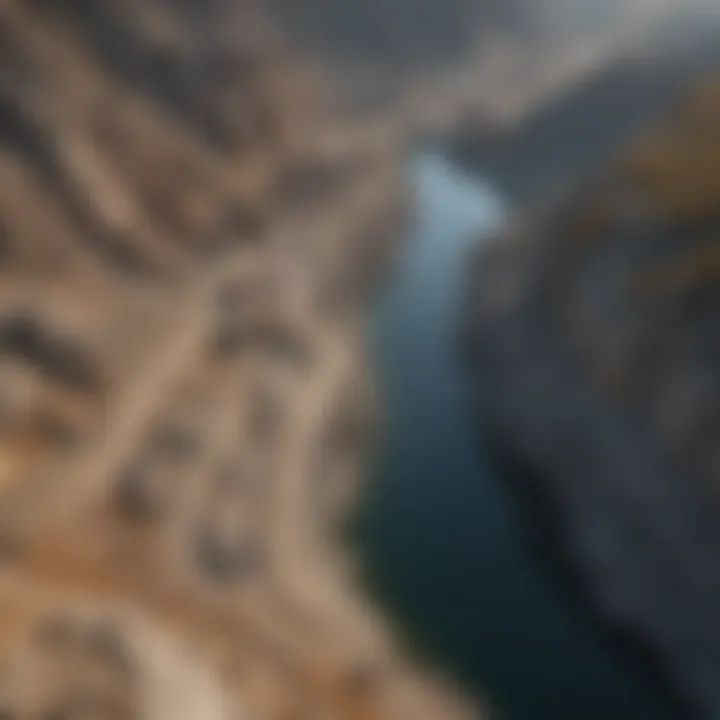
<point>189,237</point>
<point>591,330</point>
<point>446,545</point>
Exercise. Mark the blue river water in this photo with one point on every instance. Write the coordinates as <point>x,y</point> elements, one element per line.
<point>444,543</point>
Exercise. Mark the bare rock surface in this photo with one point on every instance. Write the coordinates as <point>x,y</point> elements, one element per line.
<point>593,331</point>
<point>187,240</point>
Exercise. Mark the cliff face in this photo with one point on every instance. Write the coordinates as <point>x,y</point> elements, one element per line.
<point>187,239</point>
<point>567,137</point>
<point>593,332</point>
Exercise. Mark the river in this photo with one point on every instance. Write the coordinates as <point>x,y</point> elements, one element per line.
<point>442,539</point>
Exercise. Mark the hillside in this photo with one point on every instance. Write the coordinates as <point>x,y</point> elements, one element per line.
<point>569,135</point>
<point>187,239</point>
<point>593,331</point>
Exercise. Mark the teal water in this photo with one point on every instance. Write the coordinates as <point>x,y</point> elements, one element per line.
<point>443,542</point>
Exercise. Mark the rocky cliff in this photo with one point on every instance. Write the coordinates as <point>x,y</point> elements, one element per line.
<point>567,135</point>
<point>438,65</point>
<point>187,239</point>
<point>593,333</point>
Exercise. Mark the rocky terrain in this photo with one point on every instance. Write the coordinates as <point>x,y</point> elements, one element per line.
<point>555,141</point>
<point>188,235</point>
<point>193,216</point>
<point>592,331</point>
<point>478,64</point>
